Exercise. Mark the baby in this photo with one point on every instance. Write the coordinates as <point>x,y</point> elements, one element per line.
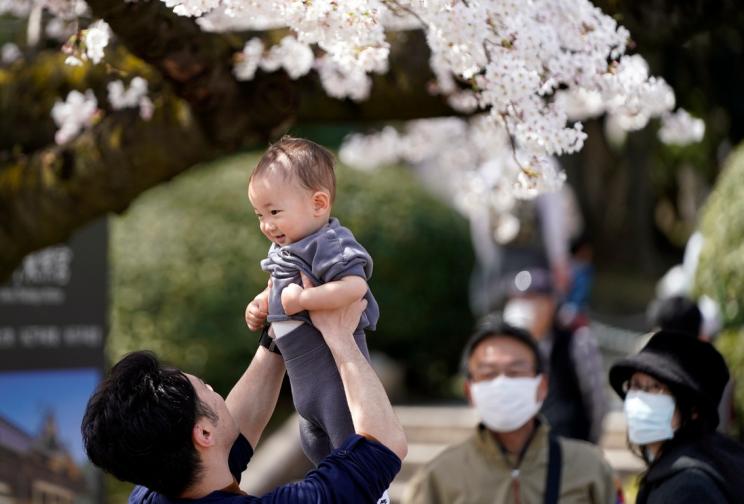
<point>292,190</point>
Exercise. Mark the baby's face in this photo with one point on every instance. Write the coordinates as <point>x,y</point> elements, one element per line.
<point>286,211</point>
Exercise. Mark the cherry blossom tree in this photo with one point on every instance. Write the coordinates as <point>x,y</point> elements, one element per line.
<point>141,90</point>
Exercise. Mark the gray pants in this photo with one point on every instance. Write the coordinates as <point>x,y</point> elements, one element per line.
<point>317,391</point>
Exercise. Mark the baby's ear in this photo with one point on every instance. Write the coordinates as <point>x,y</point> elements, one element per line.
<point>321,202</point>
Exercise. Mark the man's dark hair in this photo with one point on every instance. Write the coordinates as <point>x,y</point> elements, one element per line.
<point>678,313</point>
<point>138,425</point>
<point>494,326</point>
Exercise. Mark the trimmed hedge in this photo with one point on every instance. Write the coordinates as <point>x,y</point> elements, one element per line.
<point>185,262</point>
<point>720,273</point>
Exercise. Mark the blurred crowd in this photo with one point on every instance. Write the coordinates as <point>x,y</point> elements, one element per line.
<point>535,375</point>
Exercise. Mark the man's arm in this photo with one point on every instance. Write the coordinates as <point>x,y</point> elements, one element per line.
<point>371,411</point>
<point>328,296</point>
<point>555,235</point>
<point>252,400</point>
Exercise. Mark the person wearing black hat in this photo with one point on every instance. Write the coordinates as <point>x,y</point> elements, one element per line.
<point>671,390</point>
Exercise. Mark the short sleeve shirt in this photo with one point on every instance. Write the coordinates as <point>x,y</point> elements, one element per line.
<point>329,254</point>
<point>359,471</point>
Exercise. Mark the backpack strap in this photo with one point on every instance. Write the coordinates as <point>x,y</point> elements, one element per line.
<point>555,464</point>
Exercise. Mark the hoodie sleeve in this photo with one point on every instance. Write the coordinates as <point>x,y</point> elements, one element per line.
<point>359,471</point>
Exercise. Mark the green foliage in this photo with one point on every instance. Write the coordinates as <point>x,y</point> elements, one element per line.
<point>185,262</point>
<point>720,273</point>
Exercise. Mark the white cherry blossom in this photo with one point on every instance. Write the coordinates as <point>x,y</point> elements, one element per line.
<point>74,114</point>
<point>680,128</point>
<point>15,8</point>
<point>247,62</point>
<point>537,67</point>
<point>471,164</point>
<point>294,56</point>
<point>134,96</point>
<point>96,39</point>
<point>10,53</point>
<point>530,70</point>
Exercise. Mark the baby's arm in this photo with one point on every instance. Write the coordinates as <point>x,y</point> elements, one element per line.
<point>329,296</point>
<point>258,309</point>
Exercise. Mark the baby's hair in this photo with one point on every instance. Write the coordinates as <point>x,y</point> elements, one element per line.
<point>310,163</point>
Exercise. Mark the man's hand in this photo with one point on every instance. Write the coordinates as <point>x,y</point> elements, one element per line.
<point>257,310</point>
<point>291,299</point>
<point>338,322</point>
<point>370,408</point>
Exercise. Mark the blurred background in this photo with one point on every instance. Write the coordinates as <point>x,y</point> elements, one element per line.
<point>164,254</point>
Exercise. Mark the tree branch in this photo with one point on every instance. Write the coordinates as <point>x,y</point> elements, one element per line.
<point>44,198</point>
<point>47,195</point>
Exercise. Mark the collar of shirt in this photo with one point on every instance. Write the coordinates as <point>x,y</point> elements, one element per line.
<point>535,452</point>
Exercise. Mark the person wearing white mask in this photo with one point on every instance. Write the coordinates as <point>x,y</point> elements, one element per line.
<point>576,403</point>
<point>511,457</point>
<point>671,390</point>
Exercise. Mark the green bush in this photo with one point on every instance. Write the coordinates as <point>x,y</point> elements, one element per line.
<point>185,262</point>
<point>720,273</point>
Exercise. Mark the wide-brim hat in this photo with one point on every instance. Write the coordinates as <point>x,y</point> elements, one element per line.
<point>683,363</point>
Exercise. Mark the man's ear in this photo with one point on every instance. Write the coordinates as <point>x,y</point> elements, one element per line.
<point>203,434</point>
<point>321,202</point>
<point>542,388</point>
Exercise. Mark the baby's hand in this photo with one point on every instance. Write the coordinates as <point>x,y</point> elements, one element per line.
<point>291,299</point>
<point>257,311</point>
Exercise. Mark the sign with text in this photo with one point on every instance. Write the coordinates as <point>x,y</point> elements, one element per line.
<point>53,309</point>
<point>53,313</point>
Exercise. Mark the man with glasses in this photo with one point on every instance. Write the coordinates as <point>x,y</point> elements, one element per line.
<point>511,457</point>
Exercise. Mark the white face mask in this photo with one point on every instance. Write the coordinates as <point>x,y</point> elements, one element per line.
<point>649,417</point>
<point>520,312</point>
<point>505,404</point>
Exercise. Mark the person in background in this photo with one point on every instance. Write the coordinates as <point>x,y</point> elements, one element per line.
<point>682,314</point>
<point>572,312</point>
<point>671,390</point>
<point>512,456</point>
<point>540,237</point>
<point>577,402</point>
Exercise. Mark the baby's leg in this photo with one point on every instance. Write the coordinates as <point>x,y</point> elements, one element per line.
<point>317,390</point>
<point>314,441</point>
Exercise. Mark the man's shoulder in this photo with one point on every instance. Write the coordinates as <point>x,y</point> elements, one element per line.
<point>143,495</point>
<point>453,456</point>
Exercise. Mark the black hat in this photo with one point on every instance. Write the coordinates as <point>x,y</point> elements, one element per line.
<point>686,365</point>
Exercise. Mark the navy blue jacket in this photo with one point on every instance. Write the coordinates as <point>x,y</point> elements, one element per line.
<point>359,471</point>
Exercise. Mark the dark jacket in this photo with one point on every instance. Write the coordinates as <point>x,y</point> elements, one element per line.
<point>358,471</point>
<point>708,470</point>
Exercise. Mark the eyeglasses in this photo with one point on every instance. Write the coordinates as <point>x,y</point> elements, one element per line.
<point>491,374</point>
<point>651,387</point>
